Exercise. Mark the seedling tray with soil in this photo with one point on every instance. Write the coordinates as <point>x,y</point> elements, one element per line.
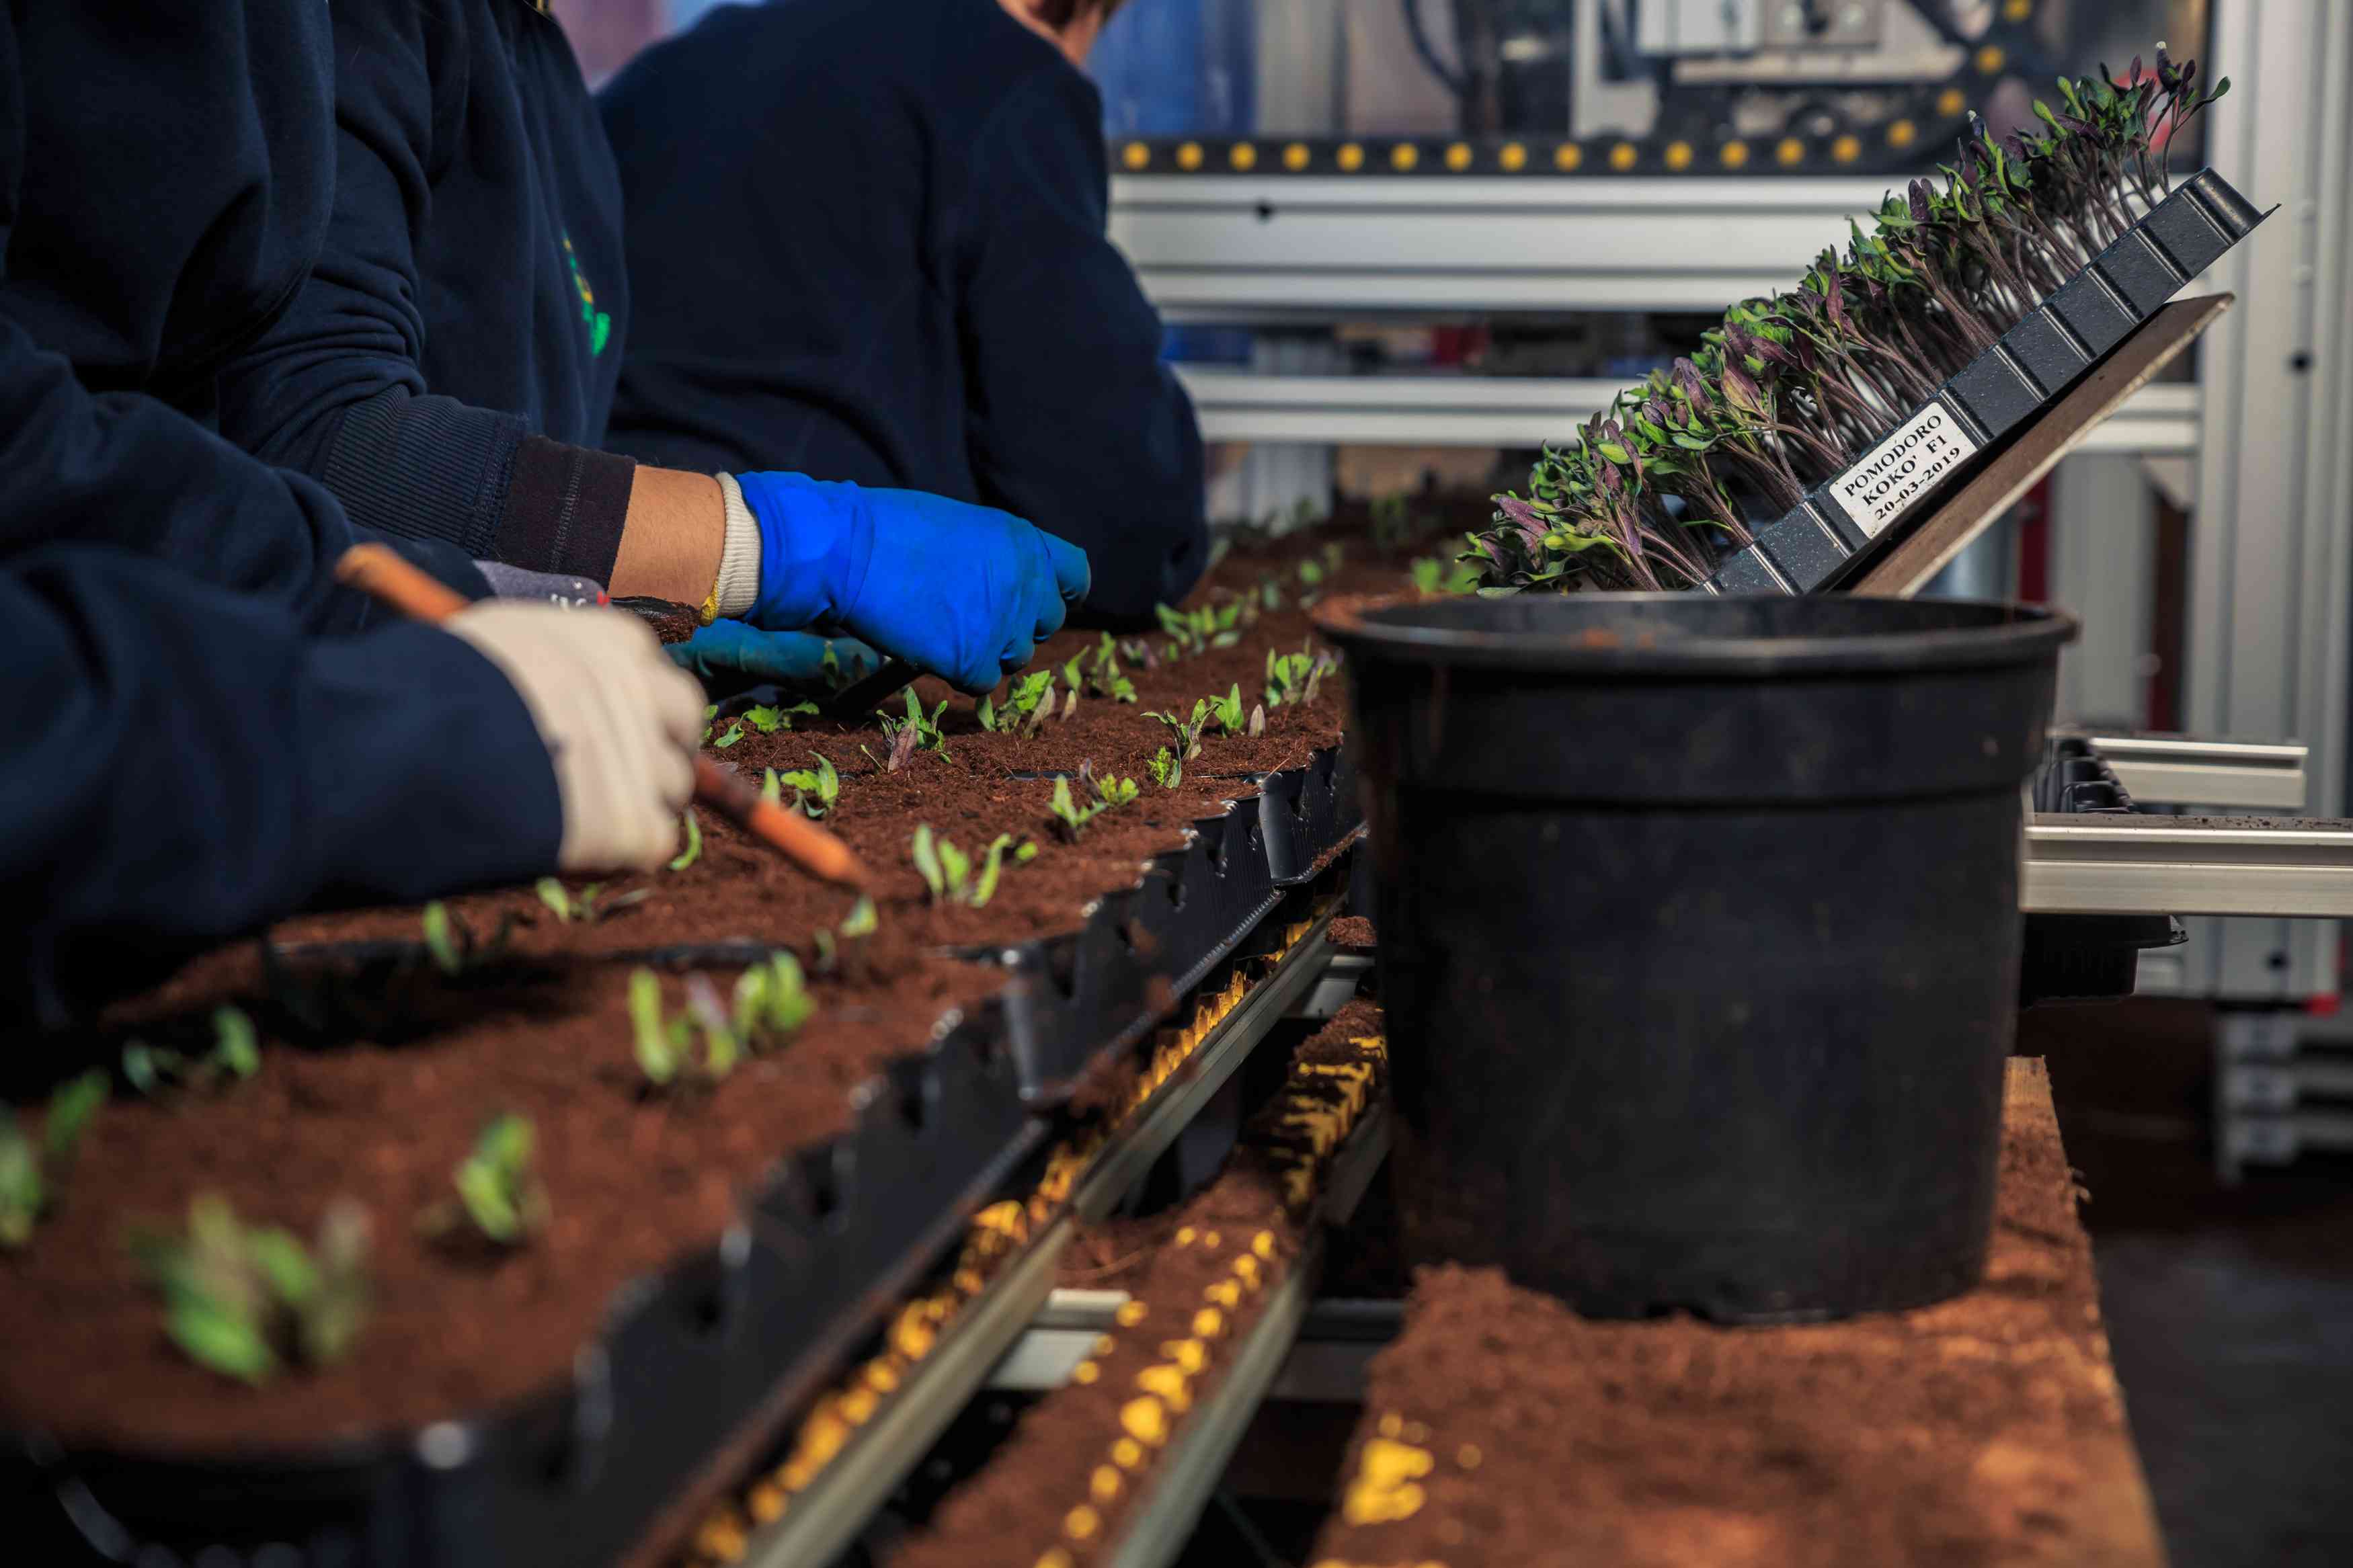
<point>537,1401</point>
<point>1860,513</point>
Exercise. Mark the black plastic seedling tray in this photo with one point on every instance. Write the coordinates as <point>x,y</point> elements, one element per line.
<point>2085,957</point>
<point>1857,515</point>
<point>725,1342</point>
<point>721,1344</point>
<point>1101,988</point>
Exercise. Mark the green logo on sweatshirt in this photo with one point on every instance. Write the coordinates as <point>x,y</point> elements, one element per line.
<point>599,324</point>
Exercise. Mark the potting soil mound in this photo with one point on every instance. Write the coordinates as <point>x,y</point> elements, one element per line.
<point>1502,1429</point>
<point>1062,1489</point>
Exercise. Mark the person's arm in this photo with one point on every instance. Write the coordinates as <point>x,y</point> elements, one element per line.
<point>123,469</point>
<point>1075,424</point>
<point>185,764</point>
<point>337,389</point>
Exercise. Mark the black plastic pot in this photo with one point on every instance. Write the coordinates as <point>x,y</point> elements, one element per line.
<point>1700,936</point>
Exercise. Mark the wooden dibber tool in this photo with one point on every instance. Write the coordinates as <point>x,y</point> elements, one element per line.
<point>385,577</point>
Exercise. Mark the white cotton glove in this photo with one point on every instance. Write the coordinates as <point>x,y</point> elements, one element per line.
<point>620,721</point>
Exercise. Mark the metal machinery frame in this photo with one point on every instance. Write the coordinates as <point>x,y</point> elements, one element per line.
<point>2263,440</point>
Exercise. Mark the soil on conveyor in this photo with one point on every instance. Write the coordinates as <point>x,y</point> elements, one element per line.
<point>1501,1429</point>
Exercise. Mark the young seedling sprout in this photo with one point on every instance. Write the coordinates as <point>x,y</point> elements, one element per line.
<point>1790,389</point>
<point>1109,794</point>
<point>583,908</point>
<point>1105,678</point>
<point>947,871</point>
<point>814,789</point>
<point>451,942</point>
<point>1228,710</point>
<point>770,1004</point>
<point>31,1175</point>
<point>236,1056</point>
<point>694,851</point>
<point>1028,704</point>
<point>769,720</point>
<point>248,1302</point>
<point>1167,771</point>
<point>840,951</point>
<point>918,730</point>
<point>1185,743</point>
<point>1432,576</point>
<point>498,1192</point>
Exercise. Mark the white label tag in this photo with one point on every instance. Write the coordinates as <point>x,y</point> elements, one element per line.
<point>1904,468</point>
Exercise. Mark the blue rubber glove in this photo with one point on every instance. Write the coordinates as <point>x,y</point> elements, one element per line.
<point>967,592</point>
<point>727,650</point>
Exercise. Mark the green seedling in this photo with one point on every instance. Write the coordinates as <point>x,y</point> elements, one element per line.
<point>837,948</point>
<point>1138,650</point>
<point>1023,702</point>
<point>1105,678</point>
<point>249,1302</point>
<point>694,851</point>
<point>917,731</point>
<point>583,908</point>
<point>948,871</point>
<point>769,720</point>
<point>236,1056</point>
<point>1186,739</point>
<point>735,733</point>
<point>710,721</point>
<point>772,1002</point>
<point>1167,770</point>
<point>1109,794</point>
<point>32,1175</point>
<point>1270,593</point>
<point>1432,576</point>
<point>814,789</point>
<point>1228,710</point>
<point>498,1192</point>
<point>451,942</point>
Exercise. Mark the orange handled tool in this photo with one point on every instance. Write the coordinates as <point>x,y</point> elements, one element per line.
<point>385,577</point>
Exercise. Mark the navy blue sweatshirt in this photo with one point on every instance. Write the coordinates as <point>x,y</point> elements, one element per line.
<point>449,364</point>
<point>182,759</point>
<point>165,183</point>
<point>866,241</point>
<point>184,764</point>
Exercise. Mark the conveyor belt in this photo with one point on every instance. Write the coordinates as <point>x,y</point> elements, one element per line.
<point>829,1514</point>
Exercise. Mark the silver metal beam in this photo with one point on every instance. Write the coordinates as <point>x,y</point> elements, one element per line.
<point>2188,865</point>
<point>828,1515</point>
<point>2182,769</point>
<point>1221,247</point>
<point>1410,410</point>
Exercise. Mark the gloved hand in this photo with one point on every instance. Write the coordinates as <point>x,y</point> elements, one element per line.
<point>967,592</point>
<point>620,722</point>
<point>731,651</point>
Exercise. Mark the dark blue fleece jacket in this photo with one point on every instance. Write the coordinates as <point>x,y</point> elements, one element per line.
<point>448,364</point>
<point>866,241</point>
<point>184,758</point>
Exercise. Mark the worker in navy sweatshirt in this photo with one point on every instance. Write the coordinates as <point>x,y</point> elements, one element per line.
<point>202,733</point>
<point>447,367</point>
<point>866,241</point>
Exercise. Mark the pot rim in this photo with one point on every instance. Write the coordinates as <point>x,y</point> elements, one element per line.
<point>1366,628</point>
